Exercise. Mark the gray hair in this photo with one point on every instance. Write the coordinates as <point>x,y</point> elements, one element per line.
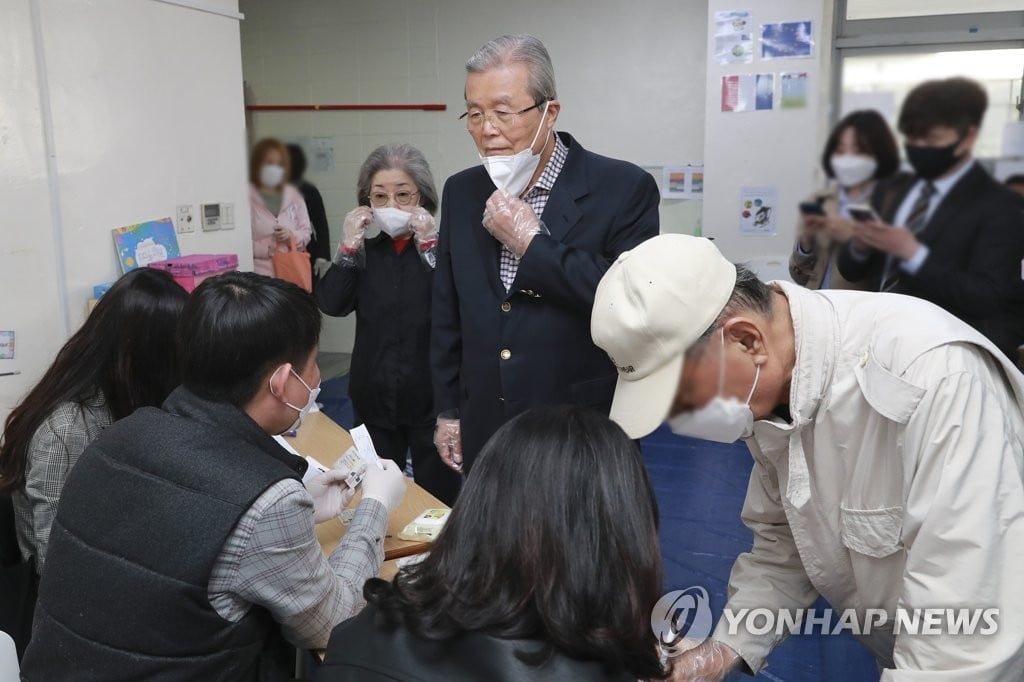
<point>749,294</point>
<point>403,157</point>
<point>518,49</point>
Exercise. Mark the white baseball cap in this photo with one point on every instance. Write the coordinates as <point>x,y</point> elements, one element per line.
<point>654,302</point>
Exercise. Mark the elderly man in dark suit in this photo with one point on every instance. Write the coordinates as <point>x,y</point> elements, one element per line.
<point>949,234</point>
<point>525,238</point>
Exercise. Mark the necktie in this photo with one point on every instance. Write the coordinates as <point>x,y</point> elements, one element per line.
<point>916,222</point>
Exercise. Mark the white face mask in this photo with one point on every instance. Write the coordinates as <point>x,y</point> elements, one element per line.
<point>723,420</point>
<point>305,409</point>
<point>512,172</point>
<point>271,175</point>
<point>852,169</point>
<point>393,221</point>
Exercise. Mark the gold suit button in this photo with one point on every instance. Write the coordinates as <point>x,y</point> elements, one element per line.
<point>506,306</point>
<point>506,354</point>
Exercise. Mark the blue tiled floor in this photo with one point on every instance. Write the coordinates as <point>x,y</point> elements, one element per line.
<point>700,488</point>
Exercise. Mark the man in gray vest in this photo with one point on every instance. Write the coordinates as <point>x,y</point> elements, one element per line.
<point>184,546</point>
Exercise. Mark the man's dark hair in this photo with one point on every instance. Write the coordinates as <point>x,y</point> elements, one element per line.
<point>554,538</point>
<point>958,103</point>
<point>237,327</point>
<point>1017,179</point>
<point>873,137</point>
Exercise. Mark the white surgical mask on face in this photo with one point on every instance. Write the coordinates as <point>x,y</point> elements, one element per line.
<point>271,175</point>
<point>723,420</point>
<point>305,409</point>
<point>852,169</point>
<point>512,172</point>
<point>393,221</point>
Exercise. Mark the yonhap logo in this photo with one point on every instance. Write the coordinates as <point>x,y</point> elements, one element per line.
<point>682,619</point>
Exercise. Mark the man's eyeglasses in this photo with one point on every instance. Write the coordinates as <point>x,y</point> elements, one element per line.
<point>502,120</point>
<point>403,198</point>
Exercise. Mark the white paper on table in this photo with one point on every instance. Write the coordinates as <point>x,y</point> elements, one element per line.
<point>364,444</point>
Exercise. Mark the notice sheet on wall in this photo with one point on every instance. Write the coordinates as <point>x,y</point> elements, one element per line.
<point>757,210</point>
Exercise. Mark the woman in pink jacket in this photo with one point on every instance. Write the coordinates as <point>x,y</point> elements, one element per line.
<point>278,211</point>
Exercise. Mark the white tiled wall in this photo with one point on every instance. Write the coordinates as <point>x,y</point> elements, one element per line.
<point>630,78</point>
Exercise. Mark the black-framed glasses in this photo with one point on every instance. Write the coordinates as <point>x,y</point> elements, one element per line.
<point>502,120</point>
<point>403,198</point>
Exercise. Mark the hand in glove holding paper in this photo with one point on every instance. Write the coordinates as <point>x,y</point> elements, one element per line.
<point>330,494</point>
<point>512,222</point>
<point>386,484</point>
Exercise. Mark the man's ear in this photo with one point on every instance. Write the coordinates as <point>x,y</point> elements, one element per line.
<point>554,106</point>
<point>749,333</point>
<point>278,379</point>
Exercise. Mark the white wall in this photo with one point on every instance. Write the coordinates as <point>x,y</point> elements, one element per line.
<point>146,113</point>
<point>630,78</point>
<point>778,148</point>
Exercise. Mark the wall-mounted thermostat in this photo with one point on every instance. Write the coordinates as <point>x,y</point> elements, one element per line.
<point>217,216</point>
<point>185,223</point>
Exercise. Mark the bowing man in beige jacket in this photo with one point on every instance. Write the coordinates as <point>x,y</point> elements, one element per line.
<point>887,438</point>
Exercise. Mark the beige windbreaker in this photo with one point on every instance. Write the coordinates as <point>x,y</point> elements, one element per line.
<point>899,483</point>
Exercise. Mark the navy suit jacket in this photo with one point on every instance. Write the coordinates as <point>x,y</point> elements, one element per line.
<point>598,208</point>
<point>975,239</point>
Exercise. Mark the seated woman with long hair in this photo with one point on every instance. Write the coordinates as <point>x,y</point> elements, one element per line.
<point>121,359</point>
<point>547,569</point>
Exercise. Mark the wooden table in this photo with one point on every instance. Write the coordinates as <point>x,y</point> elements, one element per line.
<point>323,440</point>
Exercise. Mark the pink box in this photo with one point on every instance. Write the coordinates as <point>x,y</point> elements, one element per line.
<point>190,271</point>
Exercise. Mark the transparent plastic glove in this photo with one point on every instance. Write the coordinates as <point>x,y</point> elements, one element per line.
<point>424,233</point>
<point>330,494</point>
<point>386,484</point>
<point>448,441</point>
<point>320,266</point>
<point>350,251</point>
<point>281,233</point>
<point>710,662</point>
<point>512,222</point>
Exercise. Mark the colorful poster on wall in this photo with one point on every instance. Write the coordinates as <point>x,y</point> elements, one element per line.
<point>734,39</point>
<point>757,211</point>
<point>786,40</point>
<point>793,90</point>
<point>6,345</point>
<point>764,91</point>
<point>682,182</point>
<point>144,243</point>
<point>737,93</point>
<point>748,92</point>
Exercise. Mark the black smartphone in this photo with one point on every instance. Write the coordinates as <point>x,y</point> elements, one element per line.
<point>811,208</point>
<point>863,213</point>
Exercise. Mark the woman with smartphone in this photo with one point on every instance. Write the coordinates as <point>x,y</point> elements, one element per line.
<point>860,151</point>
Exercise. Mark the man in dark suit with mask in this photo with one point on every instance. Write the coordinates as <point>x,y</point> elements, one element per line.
<point>950,234</point>
<point>525,238</point>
